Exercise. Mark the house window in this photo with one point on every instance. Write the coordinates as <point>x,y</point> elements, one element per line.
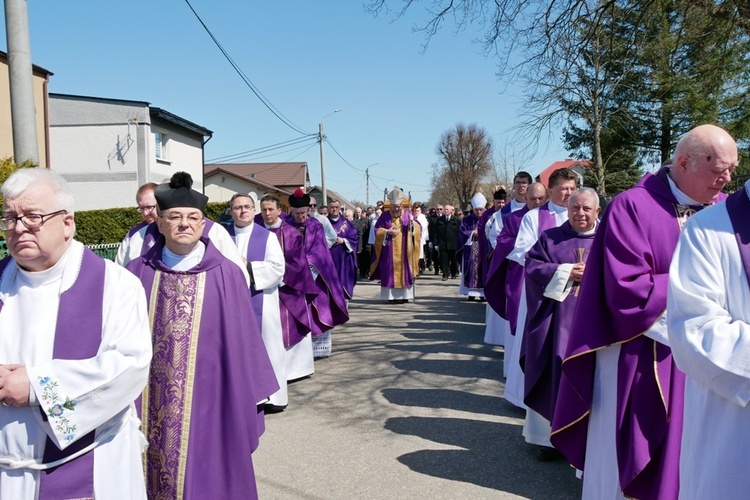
<point>162,149</point>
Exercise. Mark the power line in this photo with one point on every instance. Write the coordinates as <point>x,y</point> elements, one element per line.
<point>342,158</point>
<point>278,114</point>
<point>263,149</point>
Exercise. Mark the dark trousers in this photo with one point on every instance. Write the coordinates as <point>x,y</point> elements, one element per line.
<point>364,261</point>
<point>448,262</point>
<point>436,259</point>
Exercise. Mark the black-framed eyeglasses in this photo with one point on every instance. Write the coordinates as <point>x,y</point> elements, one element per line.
<point>247,207</point>
<point>147,209</point>
<point>312,206</point>
<point>31,221</point>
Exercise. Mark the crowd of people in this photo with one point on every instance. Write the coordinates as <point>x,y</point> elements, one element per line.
<point>625,334</point>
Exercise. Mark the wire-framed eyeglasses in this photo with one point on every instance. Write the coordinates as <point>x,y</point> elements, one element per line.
<point>31,221</point>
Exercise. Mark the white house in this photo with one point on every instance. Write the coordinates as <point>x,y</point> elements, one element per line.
<point>107,148</point>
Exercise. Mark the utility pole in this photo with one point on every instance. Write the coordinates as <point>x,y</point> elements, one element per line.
<point>367,185</point>
<point>321,137</point>
<point>22,109</point>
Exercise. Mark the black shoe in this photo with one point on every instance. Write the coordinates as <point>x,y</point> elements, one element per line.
<point>437,272</point>
<point>269,408</point>
<point>445,278</point>
<point>545,454</point>
<point>471,298</point>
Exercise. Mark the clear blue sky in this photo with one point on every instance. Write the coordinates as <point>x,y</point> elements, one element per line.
<point>308,58</point>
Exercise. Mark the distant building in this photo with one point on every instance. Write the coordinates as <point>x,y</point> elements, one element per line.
<point>317,193</point>
<point>41,83</point>
<point>221,183</point>
<point>107,148</point>
<point>577,166</point>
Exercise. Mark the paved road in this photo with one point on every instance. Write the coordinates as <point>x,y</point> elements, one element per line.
<point>408,406</point>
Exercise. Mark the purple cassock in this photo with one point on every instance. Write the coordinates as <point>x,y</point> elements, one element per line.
<point>208,373</point>
<point>623,294</point>
<point>485,247</point>
<point>548,320</point>
<point>395,258</point>
<point>298,289</point>
<point>469,254</point>
<point>505,277</point>
<point>328,307</point>
<point>345,258</point>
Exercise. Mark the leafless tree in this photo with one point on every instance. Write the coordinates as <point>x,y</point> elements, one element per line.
<point>465,160</point>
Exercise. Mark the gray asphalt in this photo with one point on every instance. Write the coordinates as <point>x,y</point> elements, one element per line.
<point>408,406</point>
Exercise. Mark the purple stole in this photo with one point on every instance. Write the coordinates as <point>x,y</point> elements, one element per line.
<point>738,206</point>
<point>256,252</point>
<point>78,335</point>
<point>546,219</point>
<point>485,247</point>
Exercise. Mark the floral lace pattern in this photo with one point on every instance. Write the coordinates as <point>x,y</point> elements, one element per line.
<point>56,407</point>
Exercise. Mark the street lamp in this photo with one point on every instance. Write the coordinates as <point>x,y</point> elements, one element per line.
<point>321,136</point>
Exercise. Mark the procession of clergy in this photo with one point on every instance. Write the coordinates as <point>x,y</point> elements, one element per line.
<point>637,374</point>
<point>627,337</point>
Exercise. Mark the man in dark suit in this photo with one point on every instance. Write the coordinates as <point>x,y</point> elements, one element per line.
<point>447,228</point>
<point>362,224</point>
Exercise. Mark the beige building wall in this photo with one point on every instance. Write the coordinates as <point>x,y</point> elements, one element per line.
<point>221,187</point>
<point>41,79</point>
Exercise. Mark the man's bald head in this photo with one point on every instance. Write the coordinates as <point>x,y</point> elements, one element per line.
<point>536,195</point>
<point>703,162</point>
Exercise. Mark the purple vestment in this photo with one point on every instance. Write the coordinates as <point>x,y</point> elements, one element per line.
<point>505,277</point>
<point>623,294</point>
<point>256,252</point>
<point>298,288</point>
<point>78,335</point>
<point>210,366</point>
<point>469,254</point>
<point>345,261</point>
<point>485,247</point>
<point>395,258</point>
<point>328,308</point>
<point>548,320</point>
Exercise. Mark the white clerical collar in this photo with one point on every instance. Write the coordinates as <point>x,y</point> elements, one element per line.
<point>592,230</point>
<point>243,230</point>
<point>183,262</point>
<point>54,273</point>
<point>334,220</point>
<point>681,197</point>
<point>557,209</point>
<point>274,225</point>
<point>516,205</point>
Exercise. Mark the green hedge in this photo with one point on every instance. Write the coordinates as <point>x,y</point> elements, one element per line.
<point>110,226</point>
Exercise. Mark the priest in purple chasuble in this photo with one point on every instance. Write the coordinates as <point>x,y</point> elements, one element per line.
<point>468,252</point>
<point>210,370</point>
<point>328,308</point>
<point>74,353</point>
<point>553,271</point>
<point>505,277</point>
<point>344,249</point>
<point>708,321</point>
<point>619,410</point>
<point>551,214</point>
<point>265,263</point>
<point>485,246</point>
<point>395,260</point>
<point>297,290</point>
<point>142,236</point>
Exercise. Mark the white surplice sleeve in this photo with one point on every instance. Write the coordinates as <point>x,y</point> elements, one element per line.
<point>79,396</point>
<point>527,236</point>
<point>269,272</point>
<point>225,244</point>
<point>707,312</point>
